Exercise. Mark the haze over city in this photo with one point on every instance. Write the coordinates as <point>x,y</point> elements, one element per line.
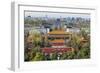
<point>55,15</point>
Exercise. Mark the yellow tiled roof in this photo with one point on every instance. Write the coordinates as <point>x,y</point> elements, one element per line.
<point>59,32</point>
<point>58,41</point>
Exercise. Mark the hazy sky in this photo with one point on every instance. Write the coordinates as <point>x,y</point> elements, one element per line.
<point>55,15</point>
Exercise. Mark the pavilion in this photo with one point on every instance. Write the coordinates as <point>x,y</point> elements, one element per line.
<point>58,39</point>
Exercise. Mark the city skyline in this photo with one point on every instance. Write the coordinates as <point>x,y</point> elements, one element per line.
<point>55,15</point>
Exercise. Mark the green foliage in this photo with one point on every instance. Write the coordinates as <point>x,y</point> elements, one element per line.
<point>64,56</point>
<point>75,41</point>
<point>53,56</point>
<point>38,57</point>
<point>84,53</point>
<point>28,55</point>
<point>68,55</point>
<point>36,37</point>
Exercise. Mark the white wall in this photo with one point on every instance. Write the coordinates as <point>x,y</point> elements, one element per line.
<point>5,31</point>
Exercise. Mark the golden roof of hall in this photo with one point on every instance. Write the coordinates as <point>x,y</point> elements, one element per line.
<point>60,32</point>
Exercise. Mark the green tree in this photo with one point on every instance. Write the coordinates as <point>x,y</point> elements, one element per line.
<point>36,37</point>
<point>38,57</point>
<point>53,56</point>
<point>75,42</point>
